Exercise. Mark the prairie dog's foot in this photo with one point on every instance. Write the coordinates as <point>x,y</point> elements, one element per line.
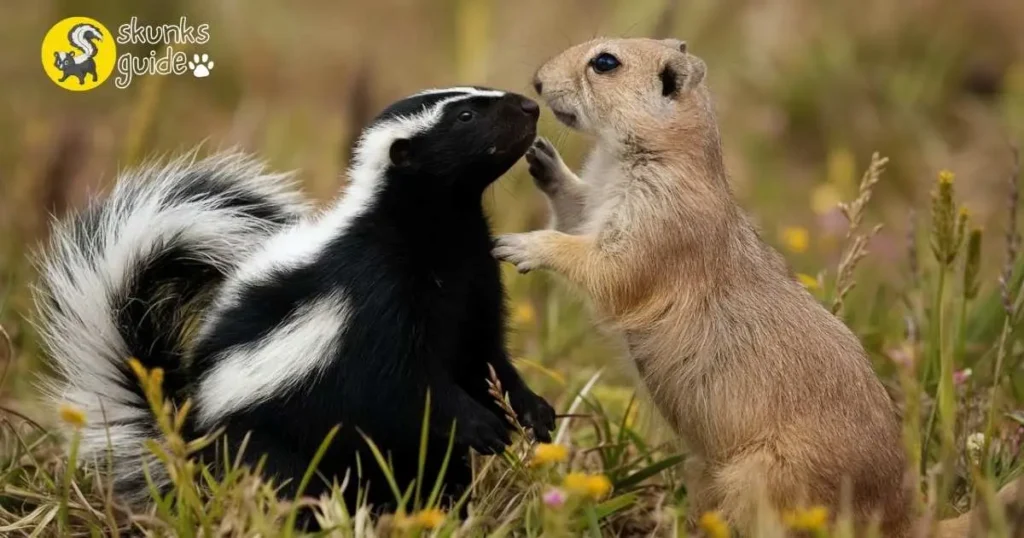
<point>534,413</point>
<point>520,250</point>
<point>549,171</point>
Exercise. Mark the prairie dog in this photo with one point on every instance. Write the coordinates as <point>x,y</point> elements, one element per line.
<point>773,395</point>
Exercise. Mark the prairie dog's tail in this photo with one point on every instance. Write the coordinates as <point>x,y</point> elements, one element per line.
<point>962,526</point>
<point>128,275</point>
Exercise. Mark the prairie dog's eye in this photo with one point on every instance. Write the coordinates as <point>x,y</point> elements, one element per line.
<point>465,115</point>
<point>604,62</point>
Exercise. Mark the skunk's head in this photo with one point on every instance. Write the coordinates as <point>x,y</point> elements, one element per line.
<point>453,138</point>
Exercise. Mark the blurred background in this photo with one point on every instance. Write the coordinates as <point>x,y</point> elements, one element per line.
<point>805,91</point>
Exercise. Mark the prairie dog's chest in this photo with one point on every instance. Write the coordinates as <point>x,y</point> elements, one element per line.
<point>606,181</point>
<point>598,169</point>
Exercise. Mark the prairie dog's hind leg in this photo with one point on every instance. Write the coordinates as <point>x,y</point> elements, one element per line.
<point>564,190</point>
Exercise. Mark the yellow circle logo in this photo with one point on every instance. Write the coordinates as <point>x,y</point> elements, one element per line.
<point>79,53</point>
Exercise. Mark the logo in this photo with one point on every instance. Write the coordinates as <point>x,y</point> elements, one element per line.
<point>167,44</point>
<point>78,53</point>
<point>200,65</point>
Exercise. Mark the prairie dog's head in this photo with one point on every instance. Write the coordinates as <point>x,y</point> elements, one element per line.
<point>621,85</point>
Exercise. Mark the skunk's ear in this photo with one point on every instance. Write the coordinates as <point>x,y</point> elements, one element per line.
<point>400,153</point>
<point>682,72</point>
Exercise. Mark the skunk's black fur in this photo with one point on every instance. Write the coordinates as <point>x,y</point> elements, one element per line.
<point>353,316</point>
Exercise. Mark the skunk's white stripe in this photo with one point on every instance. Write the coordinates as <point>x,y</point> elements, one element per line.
<point>298,245</point>
<point>144,214</point>
<point>248,374</point>
<point>89,262</point>
<point>468,90</point>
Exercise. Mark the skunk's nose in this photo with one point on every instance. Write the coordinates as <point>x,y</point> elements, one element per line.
<point>530,107</point>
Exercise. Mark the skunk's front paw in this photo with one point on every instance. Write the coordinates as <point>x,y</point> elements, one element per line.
<point>519,249</point>
<point>546,166</point>
<point>534,413</point>
<point>485,432</point>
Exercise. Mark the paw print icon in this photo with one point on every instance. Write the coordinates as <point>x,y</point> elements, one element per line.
<point>200,65</point>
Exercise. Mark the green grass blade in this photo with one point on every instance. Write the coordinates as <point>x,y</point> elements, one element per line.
<point>422,462</point>
<point>615,504</point>
<point>384,467</point>
<point>293,514</point>
<point>647,472</point>
<point>592,521</point>
<point>438,484</point>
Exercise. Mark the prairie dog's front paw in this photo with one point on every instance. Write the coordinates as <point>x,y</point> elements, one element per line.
<point>546,166</point>
<point>519,250</point>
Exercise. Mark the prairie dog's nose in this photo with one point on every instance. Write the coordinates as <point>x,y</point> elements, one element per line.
<point>530,106</point>
<point>538,86</point>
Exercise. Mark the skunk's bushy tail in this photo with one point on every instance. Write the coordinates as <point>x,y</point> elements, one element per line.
<point>128,276</point>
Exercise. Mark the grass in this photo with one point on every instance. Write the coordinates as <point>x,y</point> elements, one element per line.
<point>603,474</point>
<point>806,92</point>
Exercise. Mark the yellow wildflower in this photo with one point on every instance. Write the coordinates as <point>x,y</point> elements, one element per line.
<point>598,486</point>
<point>593,486</point>
<point>825,198</point>
<point>808,281</point>
<point>945,176</point>
<point>546,453</point>
<point>431,518</point>
<point>796,239</point>
<point>72,415</point>
<point>840,167</point>
<point>576,483</point>
<point>524,314</point>
<point>811,519</point>
<point>713,525</point>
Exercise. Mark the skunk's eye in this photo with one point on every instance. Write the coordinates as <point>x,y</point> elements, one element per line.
<point>604,62</point>
<point>465,115</point>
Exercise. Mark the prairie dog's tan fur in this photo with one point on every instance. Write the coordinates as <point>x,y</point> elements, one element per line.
<point>773,395</point>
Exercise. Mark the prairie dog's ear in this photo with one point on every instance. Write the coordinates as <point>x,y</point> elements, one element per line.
<point>697,71</point>
<point>682,72</point>
<point>677,44</point>
<point>400,153</point>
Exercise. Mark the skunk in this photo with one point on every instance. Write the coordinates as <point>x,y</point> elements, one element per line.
<point>279,324</point>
